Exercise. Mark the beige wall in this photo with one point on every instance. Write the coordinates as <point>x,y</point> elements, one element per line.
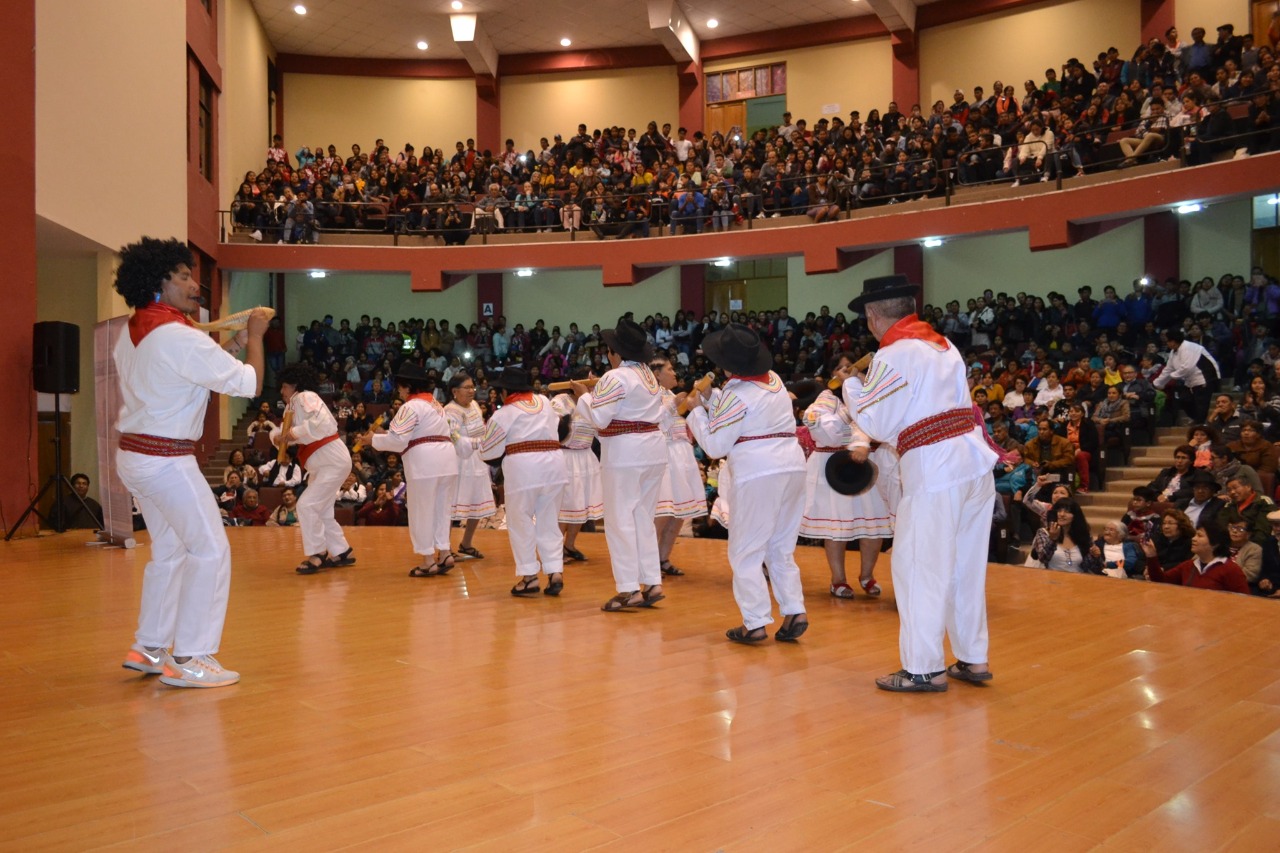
<point>1020,45</point>
<point>807,293</point>
<point>961,269</point>
<point>243,139</point>
<point>111,131</point>
<point>856,75</point>
<point>65,291</point>
<point>386,296</point>
<point>326,110</point>
<point>578,296</point>
<point>243,290</point>
<point>538,105</point>
<point>1217,240</point>
<point>1211,14</point>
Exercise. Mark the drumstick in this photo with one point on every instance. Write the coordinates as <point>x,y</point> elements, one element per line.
<point>699,388</point>
<point>566,386</point>
<point>858,366</point>
<point>232,322</point>
<point>282,455</point>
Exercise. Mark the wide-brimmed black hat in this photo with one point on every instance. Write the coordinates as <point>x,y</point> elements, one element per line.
<point>1201,477</point>
<point>413,374</point>
<point>882,288</point>
<point>806,391</point>
<point>629,341</point>
<point>512,379</point>
<point>847,477</point>
<point>739,350</point>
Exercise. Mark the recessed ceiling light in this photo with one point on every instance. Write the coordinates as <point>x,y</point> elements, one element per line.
<point>1192,207</point>
<point>300,9</point>
<point>712,23</point>
<point>525,273</point>
<point>456,4</point>
<point>565,42</point>
<point>318,273</point>
<point>933,242</point>
<point>422,45</point>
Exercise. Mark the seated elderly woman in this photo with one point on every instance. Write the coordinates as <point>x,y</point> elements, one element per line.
<point>236,462</point>
<point>1210,566</point>
<point>285,515</point>
<point>1117,555</point>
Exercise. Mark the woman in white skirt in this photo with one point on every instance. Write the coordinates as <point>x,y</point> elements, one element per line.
<point>474,498</point>
<point>681,495</point>
<point>830,516</point>
<point>583,498</point>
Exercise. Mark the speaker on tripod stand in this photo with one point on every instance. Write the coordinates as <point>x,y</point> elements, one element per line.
<point>55,369</point>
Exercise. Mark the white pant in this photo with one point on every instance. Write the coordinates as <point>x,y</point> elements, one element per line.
<point>430,505</point>
<point>187,581</point>
<point>940,574</point>
<point>766,522</point>
<point>327,468</point>
<point>532,520</point>
<point>630,500</point>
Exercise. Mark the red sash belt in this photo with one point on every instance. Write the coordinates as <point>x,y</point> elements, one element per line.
<point>426,439</point>
<point>532,447</point>
<point>936,428</point>
<point>305,451</point>
<point>827,449</point>
<point>616,428</point>
<point>763,437</point>
<point>154,445</point>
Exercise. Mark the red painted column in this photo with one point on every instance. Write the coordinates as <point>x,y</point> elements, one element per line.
<point>1160,246</point>
<point>906,70</point>
<point>908,260</point>
<point>692,98</point>
<point>488,115</point>
<point>488,292</point>
<point>693,289</point>
<point>18,254</point>
<point>1157,17</point>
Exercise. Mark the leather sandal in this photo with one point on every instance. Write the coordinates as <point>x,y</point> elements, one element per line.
<point>343,559</point>
<point>448,564</point>
<point>470,552</point>
<point>841,590</point>
<point>528,585</point>
<point>870,587</point>
<point>430,571</point>
<point>670,570</point>
<point>740,634</point>
<point>306,567</point>
<point>792,628</point>
<point>962,671</point>
<point>904,682</point>
<point>620,602</point>
<point>554,587</point>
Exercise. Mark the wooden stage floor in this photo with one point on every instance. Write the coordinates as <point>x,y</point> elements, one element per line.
<point>386,713</point>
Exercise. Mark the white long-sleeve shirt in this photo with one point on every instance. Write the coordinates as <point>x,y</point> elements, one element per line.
<point>908,381</point>
<point>312,419</point>
<point>630,392</point>
<point>421,416</point>
<point>526,419</point>
<point>166,379</point>
<point>1184,365</point>
<point>745,408</point>
<point>830,425</point>
<point>582,432</point>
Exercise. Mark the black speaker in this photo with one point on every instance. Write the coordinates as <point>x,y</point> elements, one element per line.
<point>55,358</point>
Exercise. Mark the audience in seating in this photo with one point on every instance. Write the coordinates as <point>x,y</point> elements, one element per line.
<point>620,184</point>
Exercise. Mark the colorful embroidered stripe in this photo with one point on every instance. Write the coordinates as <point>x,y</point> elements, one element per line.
<point>608,390</point>
<point>728,411</point>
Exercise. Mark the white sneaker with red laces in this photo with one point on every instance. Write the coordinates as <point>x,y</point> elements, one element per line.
<point>144,660</point>
<point>198,671</point>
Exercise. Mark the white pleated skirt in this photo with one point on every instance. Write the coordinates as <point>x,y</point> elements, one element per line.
<point>583,498</point>
<point>681,494</point>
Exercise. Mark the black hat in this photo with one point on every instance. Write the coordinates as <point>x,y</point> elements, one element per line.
<point>1201,477</point>
<point>882,288</point>
<point>847,477</point>
<point>412,374</point>
<point>806,391</point>
<point>1231,28</point>
<point>512,379</point>
<point>738,349</point>
<point>629,341</point>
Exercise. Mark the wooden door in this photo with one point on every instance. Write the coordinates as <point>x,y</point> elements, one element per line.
<point>722,295</point>
<point>726,117</point>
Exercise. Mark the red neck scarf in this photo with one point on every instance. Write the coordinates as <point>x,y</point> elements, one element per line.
<point>912,327</point>
<point>519,397</point>
<point>762,378</point>
<point>152,316</point>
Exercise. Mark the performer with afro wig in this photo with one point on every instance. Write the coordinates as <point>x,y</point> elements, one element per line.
<point>328,464</point>
<point>167,369</point>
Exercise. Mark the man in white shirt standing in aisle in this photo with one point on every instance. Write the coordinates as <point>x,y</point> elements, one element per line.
<point>626,408</point>
<point>915,396</point>
<point>167,369</point>
<point>753,426</point>
<point>1191,365</point>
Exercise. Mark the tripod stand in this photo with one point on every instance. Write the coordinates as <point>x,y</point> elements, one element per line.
<point>57,481</point>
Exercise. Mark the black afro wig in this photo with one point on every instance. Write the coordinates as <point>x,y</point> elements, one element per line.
<point>300,375</point>
<point>147,263</point>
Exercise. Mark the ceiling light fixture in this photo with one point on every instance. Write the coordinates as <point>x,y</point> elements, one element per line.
<point>723,262</point>
<point>300,9</point>
<point>456,4</point>
<point>565,42</point>
<point>1193,207</point>
<point>933,242</point>
<point>1275,199</point>
<point>422,45</point>
<point>525,273</point>
<point>712,23</point>
<point>318,273</point>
